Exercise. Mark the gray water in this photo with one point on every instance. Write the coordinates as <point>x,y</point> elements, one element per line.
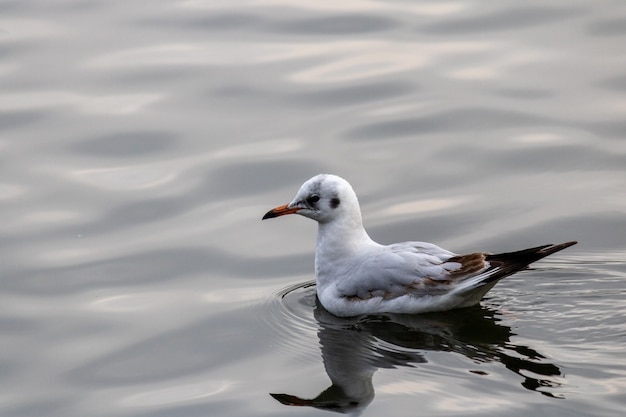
<point>141,142</point>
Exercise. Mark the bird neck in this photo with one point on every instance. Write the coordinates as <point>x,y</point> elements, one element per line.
<point>339,239</point>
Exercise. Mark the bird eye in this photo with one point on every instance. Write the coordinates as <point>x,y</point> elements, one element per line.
<point>313,199</point>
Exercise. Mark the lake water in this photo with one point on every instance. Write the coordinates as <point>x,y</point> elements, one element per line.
<point>141,142</point>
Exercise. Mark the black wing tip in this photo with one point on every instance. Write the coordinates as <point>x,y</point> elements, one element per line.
<point>552,248</point>
<point>525,257</point>
<point>510,262</point>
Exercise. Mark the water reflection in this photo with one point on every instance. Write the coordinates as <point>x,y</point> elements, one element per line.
<point>353,349</point>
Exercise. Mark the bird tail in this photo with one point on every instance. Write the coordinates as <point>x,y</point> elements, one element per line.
<point>501,265</point>
<point>505,264</point>
<point>289,399</point>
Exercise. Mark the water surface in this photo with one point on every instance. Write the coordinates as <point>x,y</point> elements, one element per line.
<point>141,142</point>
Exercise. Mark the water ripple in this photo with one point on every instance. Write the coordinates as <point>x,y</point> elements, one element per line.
<point>449,120</point>
<point>608,27</point>
<point>291,317</point>
<point>121,104</point>
<point>352,349</point>
<point>126,144</point>
<point>336,25</point>
<point>142,141</point>
<point>501,20</point>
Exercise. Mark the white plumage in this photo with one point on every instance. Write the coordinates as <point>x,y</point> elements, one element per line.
<point>356,275</point>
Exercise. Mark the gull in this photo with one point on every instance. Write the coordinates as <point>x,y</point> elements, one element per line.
<point>356,275</point>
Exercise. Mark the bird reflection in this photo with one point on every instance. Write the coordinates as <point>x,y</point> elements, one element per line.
<point>354,348</point>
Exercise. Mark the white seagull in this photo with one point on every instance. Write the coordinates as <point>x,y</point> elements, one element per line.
<point>356,275</point>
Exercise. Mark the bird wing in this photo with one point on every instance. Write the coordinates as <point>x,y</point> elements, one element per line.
<point>423,269</point>
<point>417,268</point>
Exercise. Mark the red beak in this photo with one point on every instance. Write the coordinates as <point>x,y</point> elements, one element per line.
<point>280,211</point>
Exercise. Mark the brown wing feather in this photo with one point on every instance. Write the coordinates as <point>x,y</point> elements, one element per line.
<point>470,264</point>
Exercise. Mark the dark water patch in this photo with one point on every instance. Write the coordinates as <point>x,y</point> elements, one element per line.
<point>176,353</point>
<point>220,21</point>
<point>427,227</point>
<point>258,177</point>
<point>128,215</point>
<point>11,50</point>
<point>556,158</point>
<point>39,407</point>
<point>111,220</point>
<point>466,120</point>
<point>153,76</point>
<point>145,268</point>
<point>608,27</point>
<point>45,8</point>
<point>212,406</point>
<point>352,95</point>
<point>10,120</point>
<point>348,24</point>
<point>514,18</point>
<point>617,84</point>
<point>140,212</point>
<point>603,230</point>
<point>526,93</point>
<point>16,325</point>
<point>611,129</point>
<point>327,98</point>
<point>126,144</point>
<point>236,91</point>
<point>247,22</point>
<point>11,6</point>
<point>110,272</point>
<point>235,180</point>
